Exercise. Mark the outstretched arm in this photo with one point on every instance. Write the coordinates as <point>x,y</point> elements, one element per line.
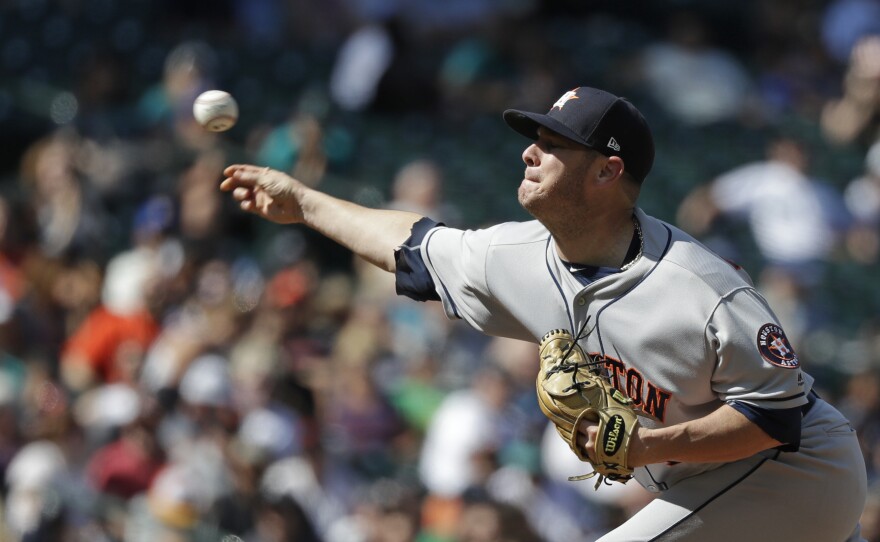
<point>373,234</point>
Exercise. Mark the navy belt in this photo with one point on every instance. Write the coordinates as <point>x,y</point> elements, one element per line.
<point>811,400</point>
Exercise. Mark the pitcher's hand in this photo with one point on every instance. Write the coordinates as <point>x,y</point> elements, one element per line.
<point>265,192</point>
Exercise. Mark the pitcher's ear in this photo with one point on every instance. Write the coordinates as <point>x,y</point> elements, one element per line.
<point>612,170</point>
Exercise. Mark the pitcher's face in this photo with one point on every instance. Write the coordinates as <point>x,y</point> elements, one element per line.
<point>556,175</point>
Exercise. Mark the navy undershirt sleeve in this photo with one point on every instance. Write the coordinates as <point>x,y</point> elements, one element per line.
<point>783,425</point>
<point>412,277</point>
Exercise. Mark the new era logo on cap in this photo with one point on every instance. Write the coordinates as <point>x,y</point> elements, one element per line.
<point>613,144</point>
<point>598,120</point>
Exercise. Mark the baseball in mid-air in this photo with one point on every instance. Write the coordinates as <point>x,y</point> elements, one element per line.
<point>216,110</point>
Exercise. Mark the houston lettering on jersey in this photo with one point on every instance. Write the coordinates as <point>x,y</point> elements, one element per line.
<point>643,393</point>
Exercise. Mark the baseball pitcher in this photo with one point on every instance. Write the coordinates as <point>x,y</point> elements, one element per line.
<point>659,360</point>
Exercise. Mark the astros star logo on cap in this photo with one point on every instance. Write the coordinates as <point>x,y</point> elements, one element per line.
<point>570,95</point>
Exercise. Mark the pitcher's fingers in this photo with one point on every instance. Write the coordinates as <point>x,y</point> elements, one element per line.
<point>241,175</point>
<point>582,445</point>
<point>229,184</point>
<point>245,171</point>
<point>232,168</point>
<point>242,193</point>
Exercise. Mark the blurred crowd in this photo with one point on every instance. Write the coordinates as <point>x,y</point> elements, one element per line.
<point>174,370</point>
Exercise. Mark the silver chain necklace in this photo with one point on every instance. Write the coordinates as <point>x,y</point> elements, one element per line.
<point>632,262</point>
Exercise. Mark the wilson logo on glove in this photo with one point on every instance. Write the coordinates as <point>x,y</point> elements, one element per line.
<point>612,434</point>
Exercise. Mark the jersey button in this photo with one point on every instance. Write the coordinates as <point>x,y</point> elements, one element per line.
<point>582,301</point>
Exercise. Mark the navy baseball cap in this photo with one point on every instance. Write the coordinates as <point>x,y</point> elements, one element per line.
<point>600,120</point>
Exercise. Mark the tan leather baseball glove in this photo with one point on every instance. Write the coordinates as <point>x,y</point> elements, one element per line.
<point>572,388</point>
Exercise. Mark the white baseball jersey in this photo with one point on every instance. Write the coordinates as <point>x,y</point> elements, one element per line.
<point>681,332</point>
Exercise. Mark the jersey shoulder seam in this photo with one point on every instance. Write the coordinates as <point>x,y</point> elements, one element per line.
<point>721,293</point>
<point>540,235</point>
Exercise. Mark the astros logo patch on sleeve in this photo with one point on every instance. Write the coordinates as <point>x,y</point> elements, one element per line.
<point>775,348</point>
